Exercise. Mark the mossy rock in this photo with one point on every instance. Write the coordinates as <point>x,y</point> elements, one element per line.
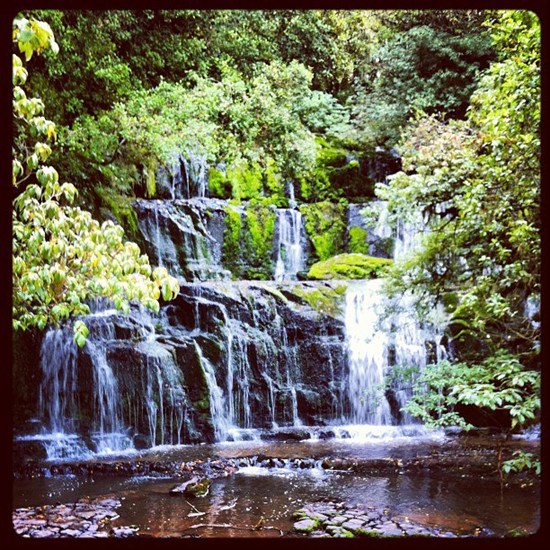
<point>199,489</point>
<point>358,240</point>
<point>324,299</point>
<point>218,184</point>
<point>349,266</point>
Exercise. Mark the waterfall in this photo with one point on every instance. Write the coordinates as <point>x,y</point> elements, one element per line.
<point>291,195</point>
<point>384,340</point>
<point>367,348</point>
<point>178,236</point>
<point>57,393</point>
<point>196,176</point>
<point>290,254</point>
<point>59,396</point>
<point>218,414</point>
<point>184,177</point>
<point>109,434</point>
<point>164,395</point>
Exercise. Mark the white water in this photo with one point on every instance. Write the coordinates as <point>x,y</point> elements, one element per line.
<point>384,336</point>
<point>290,255</point>
<point>196,172</point>
<point>217,400</point>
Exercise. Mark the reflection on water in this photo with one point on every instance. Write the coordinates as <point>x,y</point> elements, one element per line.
<point>236,504</point>
<point>254,495</point>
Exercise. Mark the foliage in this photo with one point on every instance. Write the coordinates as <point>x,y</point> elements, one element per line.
<point>521,461</point>
<point>62,257</point>
<point>478,184</point>
<point>252,126</point>
<point>349,266</point>
<point>137,49</point>
<point>429,62</point>
<point>499,383</point>
<point>326,227</point>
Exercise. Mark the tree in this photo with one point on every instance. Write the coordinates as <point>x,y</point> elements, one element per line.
<point>62,257</point>
<point>478,183</point>
<point>425,60</point>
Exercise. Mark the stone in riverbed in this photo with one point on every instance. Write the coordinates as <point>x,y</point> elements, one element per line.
<point>123,531</point>
<point>353,524</point>
<point>42,533</point>
<point>87,515</point>
<point>338,520</point>
<point>318,516</point>
<point>69,533</point>
<point>388,530</point>
<point>319,534</point>
<point>339,532</point>
<point>306,525</point>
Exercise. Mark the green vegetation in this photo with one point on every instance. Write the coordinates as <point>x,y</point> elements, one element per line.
<point>258,241</point>
<point>287,93</point>
<point>358,240</point>
<point>61,255</point>
<point>350,266</point>
<point>425,60</point>
<point>248,241</point>
<point>478,181</point>
<point>326,300</point>
<point>326,226</point>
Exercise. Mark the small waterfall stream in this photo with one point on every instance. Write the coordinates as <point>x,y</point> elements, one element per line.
<point>290,250</point>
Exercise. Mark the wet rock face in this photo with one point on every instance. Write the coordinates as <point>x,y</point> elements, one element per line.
<point>217,357</point>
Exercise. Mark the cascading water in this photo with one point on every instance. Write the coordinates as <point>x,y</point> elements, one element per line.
<point>367,351</point>
<point>222,361</point>
<point>290,250</point>
<point>385,336</point>
<point>216,398</point>
<point>196,176</point>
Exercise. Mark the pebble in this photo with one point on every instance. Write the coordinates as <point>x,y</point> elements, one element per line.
<point>340,520</point>
<point>85,518</point>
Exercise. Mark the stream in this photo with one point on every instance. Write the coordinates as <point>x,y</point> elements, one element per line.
<point>456,501</point>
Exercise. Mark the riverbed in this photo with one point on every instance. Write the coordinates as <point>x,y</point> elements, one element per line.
<point>444,484</point>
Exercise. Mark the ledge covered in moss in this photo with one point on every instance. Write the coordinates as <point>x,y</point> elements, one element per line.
<point>350,266</point>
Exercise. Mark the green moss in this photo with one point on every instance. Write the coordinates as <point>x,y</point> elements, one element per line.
<point>358,240</point>
<point>149,172</point>
<point>326,226</point>
<point>324,299</point>
<point>350,266</point>
<point>120,206</point>
<point>247,245</point>
<point>260,226</point>
<point>337,173</point>
<point>276,293</point>
<point>273,185</point>
<point>330,154</point>
<point>202,405</point>
<point>232,241</point>
<point>218,184</point>
<point>245,180</point>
